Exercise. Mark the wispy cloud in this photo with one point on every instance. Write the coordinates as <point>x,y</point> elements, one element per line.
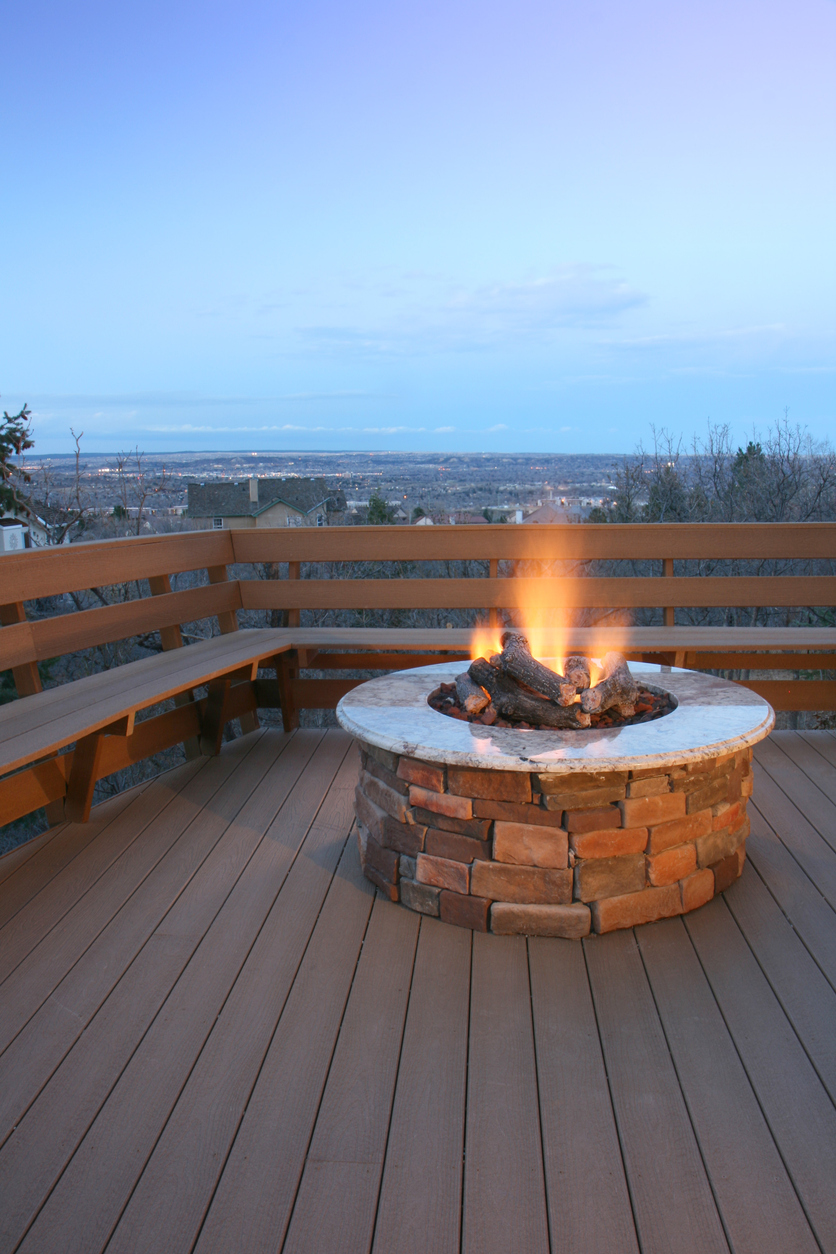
<point>195,400</point>
<point>690,339</point>
<point>458,318</point>
<point>188,428</point>
<point>577,295</point>
<point>499,426</point>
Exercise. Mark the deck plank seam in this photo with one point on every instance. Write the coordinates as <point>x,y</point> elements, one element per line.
<point>539,1100</point>
<point>233,982</point>
<point>778,998</point>
<point>258,1070</point>
<point>234,1138</point>
<point>616,1123</point>
<point>826,838</point>
<point>31,846</point>
<point>755,1093</point>
<point>753,863</point>
<point>806,738</point>
<point>4,1137</point>
<point>97,837</point>
<point>795,857</point>
<point>164,854</point>
<point>83,1133</point>
<point>395,1085</point>
<point>686,1103</point>
<point>466,1092</point>
<point>304,1158</point>
<point>802,869</point>
<point>65,830</point>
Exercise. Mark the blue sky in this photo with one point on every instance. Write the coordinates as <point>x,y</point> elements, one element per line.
<point>411,225</point>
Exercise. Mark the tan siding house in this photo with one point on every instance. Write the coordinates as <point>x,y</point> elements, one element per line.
<point>266,503</point>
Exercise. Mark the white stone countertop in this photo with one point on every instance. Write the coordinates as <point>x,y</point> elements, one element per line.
<point>713,718</point>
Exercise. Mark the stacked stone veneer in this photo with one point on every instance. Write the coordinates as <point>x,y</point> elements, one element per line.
<point>551,855</point>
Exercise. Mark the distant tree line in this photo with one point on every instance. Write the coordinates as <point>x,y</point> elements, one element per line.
<point>781,476</point>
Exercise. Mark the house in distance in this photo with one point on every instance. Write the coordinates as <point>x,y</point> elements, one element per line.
<point>265,503</point>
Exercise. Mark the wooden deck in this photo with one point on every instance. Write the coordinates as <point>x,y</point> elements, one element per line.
<point>216,1038</point>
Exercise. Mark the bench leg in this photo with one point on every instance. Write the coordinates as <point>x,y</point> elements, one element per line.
<point>286,665</point>
<point>87,757</point>
<point>249,721</point>
<point>192,745</point>
<point>55,812</point>
<point>213,721</point>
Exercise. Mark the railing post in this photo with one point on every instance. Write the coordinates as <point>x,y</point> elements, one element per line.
<point>228,621</point>
<point>26,677</point>
<point>172,638</point>
<point>670,613</point>
<point>294,572</point>
<point>493,612</point>
<point>27,682</point>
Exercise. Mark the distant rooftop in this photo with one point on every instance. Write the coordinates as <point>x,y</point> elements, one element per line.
<point>251,497</point>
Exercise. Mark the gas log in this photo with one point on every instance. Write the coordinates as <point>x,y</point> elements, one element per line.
<point>472,698</point>
<point>617,688</point>
<point>576,670</point>
<point>513,685</point>
<point>517,661</point>
<point>513,702</point>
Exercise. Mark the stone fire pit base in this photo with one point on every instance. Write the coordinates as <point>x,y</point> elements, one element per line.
<point>517,852</point>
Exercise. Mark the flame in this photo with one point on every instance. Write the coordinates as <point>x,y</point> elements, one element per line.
<point>553,615</point>
<point>485,640</point>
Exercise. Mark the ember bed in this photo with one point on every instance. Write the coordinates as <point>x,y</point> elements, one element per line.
<point>553,833</point>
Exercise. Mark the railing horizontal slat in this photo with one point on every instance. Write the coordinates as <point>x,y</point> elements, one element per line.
<point>369,594</point>
<point>798,694</point>
<point>65,633</point>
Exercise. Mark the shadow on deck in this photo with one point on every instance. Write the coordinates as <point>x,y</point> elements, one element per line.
<point>215,1037</point>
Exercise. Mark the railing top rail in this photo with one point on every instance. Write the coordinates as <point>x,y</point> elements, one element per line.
<point>520,542</point>
<point>31,574</point>
<point>50,572</point>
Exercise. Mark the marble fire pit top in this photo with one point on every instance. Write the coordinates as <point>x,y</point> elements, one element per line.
<point>713,718</point>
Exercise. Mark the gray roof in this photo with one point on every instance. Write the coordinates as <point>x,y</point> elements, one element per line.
<point>224,498</point>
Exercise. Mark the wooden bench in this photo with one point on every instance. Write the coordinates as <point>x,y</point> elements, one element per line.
<point>98,713</point>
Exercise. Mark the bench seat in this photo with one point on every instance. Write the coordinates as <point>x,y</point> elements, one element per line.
<point>91,711</point>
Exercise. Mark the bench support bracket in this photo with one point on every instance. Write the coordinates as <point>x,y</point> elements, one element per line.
<point>87,759</point>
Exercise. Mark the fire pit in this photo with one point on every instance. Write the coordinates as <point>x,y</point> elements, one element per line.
<point>554,832</point>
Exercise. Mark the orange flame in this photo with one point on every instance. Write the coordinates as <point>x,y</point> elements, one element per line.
<point>485,640</point>
<point>549,606</point>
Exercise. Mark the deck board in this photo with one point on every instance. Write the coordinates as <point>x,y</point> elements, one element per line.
<point>166,1206</point>
<point>791,1095</point>
<point>786,764</point>
<point>735,1142</point>
<point>588,1199</point>
<point>661,1153</point>
<point>807,999</point>
<point>420,1200</point>
<point>347,1150</point>
<point>797,896</point>
<point>23,877</point>
<point>111,1155</point>
<point>504,1194</point>
<point>214,1036</point>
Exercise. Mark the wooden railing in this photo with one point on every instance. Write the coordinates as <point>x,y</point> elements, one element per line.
<point>146,566</point>
<point>32,576</point>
